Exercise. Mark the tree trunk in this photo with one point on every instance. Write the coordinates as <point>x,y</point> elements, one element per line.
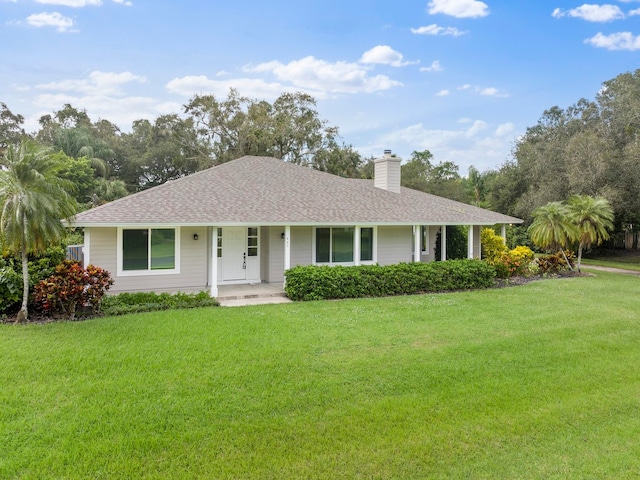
<point>23,314</point>
<point>579,256</point>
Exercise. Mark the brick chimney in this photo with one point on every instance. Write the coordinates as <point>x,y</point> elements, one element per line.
<point>387,172</point>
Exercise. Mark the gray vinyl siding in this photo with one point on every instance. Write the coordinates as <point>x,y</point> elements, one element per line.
<point>265,242</point>
<point>103,249</point>
<point>193,263</point>
<point>273,263</point>
<point>395,245</point>
<point>301,246</point>
<point>273,271</point>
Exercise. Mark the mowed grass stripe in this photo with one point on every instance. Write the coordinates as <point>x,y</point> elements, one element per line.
<point>536,381</point>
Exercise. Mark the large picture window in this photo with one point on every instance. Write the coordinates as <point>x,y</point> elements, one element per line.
<point>149,249</point>
<point>335,245</point>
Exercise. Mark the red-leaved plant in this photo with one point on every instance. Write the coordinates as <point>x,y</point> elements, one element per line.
<point>72,287</point>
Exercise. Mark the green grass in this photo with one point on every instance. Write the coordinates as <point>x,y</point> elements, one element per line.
<point>536,381</point>
<point>628,261</point>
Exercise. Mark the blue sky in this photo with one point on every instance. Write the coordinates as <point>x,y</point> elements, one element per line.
<point>461,78</point>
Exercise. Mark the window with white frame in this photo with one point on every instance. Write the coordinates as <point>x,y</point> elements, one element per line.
<point>335,244</point>
<point>424,239</point>
<point>149,250</point>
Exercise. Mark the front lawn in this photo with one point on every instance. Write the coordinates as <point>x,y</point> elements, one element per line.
<point>528,382</point>
<point>628,260</point>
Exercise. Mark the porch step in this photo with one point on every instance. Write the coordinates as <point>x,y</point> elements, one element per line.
<point>257,295</point>
<point>253,294</point>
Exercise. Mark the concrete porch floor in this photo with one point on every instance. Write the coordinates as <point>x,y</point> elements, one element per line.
<point>251,294</point>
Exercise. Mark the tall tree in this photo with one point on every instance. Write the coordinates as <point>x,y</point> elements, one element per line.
<point>11,130</point>
<point>289,128</point>
<point>340,160</point>
<point>440,179</point>
<point>34,200</point>
<point>552,228</point>
<point>592,217</point>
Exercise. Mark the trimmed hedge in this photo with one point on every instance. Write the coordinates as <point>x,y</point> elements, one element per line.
<point>325,282</point>
<point>125,303</point>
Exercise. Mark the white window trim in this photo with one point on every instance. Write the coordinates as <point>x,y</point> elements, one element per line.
<point>425,229</point>
<point>138,273</point>
<point>345,264</point>
<point>374,260</point>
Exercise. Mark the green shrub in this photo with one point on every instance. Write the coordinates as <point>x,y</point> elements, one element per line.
<point>324,282</point>
<point>552,264</point>
<point>513,262</point>
<point>492,245</point>
<point>506,262</point>
<point>125,303</point>
<point>10,289</point>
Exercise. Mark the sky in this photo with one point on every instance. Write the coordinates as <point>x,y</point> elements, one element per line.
<point>460,78</point>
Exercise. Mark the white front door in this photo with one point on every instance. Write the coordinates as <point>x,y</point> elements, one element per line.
<point>234,253</point>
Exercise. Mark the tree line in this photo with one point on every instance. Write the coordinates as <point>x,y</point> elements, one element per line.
<point>589,148</point>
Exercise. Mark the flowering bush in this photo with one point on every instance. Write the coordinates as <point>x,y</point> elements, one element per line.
<point>72,287</point>
<point>506,262</point>
<point>514,262</point>
<point>493,246</point>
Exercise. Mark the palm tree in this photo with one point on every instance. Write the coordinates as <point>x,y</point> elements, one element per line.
<point>33,203</point>
<point>592,216</point>
<point>552,228</point>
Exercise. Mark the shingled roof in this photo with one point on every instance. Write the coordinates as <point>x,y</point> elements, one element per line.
<point>267,191</point>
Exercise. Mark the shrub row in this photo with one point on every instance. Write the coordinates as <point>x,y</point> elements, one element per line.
<point>125,303</point>
<point>325,282</point>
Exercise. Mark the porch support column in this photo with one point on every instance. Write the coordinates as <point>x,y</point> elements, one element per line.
<point>470,242</point>
<point>417,244</point>
<point>214,262</point>
<point>504,233</point>
<point>287,247</point>
<point>357,235</point>
<point>443,243</point>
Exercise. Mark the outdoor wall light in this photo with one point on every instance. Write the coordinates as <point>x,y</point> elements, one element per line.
<point>282,235</point>
<point>195,236</point>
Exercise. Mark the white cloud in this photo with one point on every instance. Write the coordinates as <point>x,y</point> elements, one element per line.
<point>474,143</point>
<point>71,3</point>
<point>254,88</point>
<point>434,29</point>
<point>126,3</point>
<point>591,13</point>
<point>459,8</point>
<point>54,19</point>
<point>486,91</point>
<point>505,130</point>
<point>443,93</point>
<point>385,55</point>
<point>634,12</point>
<point>615,41</point>
<point>492,92</point>
<point>434,67</point>
<point>122,111</point>
<point>97,83</point>
<point>324,77</point>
